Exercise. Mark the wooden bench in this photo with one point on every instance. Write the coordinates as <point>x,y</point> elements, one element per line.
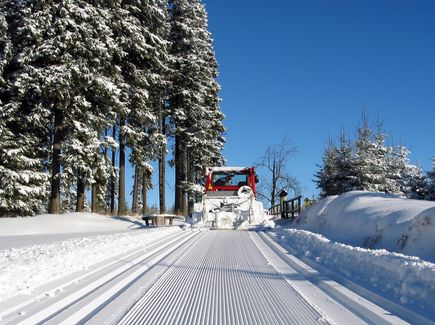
<point>159,219</point>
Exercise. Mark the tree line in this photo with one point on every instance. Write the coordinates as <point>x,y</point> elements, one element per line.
<point>87,87</point>
<point>369,164</point>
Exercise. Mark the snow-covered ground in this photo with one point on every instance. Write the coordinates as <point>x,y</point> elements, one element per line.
<point>60,245</point>
<point>333,233</point>
<point>376,221</point>
<point>94,259</point>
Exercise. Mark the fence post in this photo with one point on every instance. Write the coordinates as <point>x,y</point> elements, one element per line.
<point>299,205</point>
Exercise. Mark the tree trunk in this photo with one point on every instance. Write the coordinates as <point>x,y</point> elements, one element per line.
<point>162,180</point>
<point>81,196</point>
<point>94,203</point>
<point>191,179</point>
<point>122,208</point>
<point>54,203</point>
<point>144,192</point>
<point>135,190</point>
<point>112,178</point>
<point>162,172</point>
<point>274,189</point>
<point>180,176</point>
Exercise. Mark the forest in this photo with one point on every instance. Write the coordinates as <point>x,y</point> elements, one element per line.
<point>370,164</point>
<point>88,87</point>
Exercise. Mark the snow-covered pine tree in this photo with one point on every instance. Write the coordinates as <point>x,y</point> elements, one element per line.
<point>205,137</point>
<point>141,27</point>
<point>346,178</point>
<point>63,67</point>
<point>417,183</point>
<point>430,187</point>
<point>397,167</point>
<point>24,183</point>
<point>325,178</point>
<point>24,188</point>
<point>194,98</point>
<point>404,178</point>
<point>5,43</point>
<point>370,158</point>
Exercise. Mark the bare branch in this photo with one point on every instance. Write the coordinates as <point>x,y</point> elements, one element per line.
<point>272,169</point>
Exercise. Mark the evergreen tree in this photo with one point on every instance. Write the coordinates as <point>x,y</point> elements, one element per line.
<point>327,175</point>
<point>404,178</point>
<point>62,71</point>
<point>346,177</point>
<point>24,187</point>
<point>430,187</point>
<point>22,133</point>
<point>194,103</point>
<point>72,70</point>
<point>141,31</point>
<point>417,183</point>
<point>370,158</point>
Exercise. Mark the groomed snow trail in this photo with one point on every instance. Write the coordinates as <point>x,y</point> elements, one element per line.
<point>223,279</point>
<point>204,277</point>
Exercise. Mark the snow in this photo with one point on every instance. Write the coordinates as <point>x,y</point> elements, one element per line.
<point>38,252</point>
<point>63,224</point>
<point>225,169</point>
<point>23,270</point>
<point>332,234</point>
<point>375,220</point>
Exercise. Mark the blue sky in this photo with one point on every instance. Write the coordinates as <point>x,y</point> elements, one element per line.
<point>304,69</point>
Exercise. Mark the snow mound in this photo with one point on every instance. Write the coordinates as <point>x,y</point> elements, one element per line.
<point>268,224</point>
<point>64,224</point>
<point>26,269</point>
<point>407,280</point>
<point>376,221</point>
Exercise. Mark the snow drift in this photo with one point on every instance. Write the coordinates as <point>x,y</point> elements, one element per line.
<point>63,224</point>
<point>51,254</point>
<point>376,221</point>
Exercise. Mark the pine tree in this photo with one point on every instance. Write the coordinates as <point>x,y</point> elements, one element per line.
<point>326,176</point>
<point>193,100</point>
<point>22,129</point>
<point>346,177</point>
<point>430,187</point>
<point>24,183</point>
<point>404,178</point>
<point>371,158</point>
<point>141,30</point>
<point>417,183</point>
<point>63,70</point>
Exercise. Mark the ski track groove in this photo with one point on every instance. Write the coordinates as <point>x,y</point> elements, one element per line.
<point>156,290</point>
<point>217,277</point>
<point>197,295</point>
<point>74,297</point>
<point>133,254</point>
<point>252,303</point>
<point>140,317</point>
<point>271,311</point>
<point>222,279</point>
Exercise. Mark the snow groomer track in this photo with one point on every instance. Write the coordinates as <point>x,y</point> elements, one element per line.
<point>207,277</point>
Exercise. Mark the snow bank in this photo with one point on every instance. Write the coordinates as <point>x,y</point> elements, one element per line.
<point>404,279</point>
<point>63,224</point>
<point>374,220</point>
<point>25,269</point>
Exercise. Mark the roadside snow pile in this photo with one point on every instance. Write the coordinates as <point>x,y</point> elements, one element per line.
<point>376,221</point>
<point>268,224</point>
<point>62,224</point>
<point>24,269</point>
<point>404,279</point>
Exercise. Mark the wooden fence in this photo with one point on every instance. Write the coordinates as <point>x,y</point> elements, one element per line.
<point>287,208</point>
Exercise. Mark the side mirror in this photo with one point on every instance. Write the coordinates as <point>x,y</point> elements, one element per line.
<point>256,179</point>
